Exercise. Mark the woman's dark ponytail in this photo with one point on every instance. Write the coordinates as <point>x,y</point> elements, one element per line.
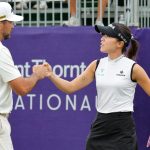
<point>132,51</point>
<point>129,40</point>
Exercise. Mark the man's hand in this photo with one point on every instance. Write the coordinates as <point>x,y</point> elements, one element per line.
<point>41,71</point>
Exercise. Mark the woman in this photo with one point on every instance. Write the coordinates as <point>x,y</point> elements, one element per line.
<point>116,78</point>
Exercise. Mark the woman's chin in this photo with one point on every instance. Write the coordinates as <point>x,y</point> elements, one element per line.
<point>103,51</point>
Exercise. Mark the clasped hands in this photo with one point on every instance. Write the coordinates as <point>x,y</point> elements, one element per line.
<point>42,71</point>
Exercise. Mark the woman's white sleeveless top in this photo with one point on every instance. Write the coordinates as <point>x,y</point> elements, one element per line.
<point>115,88</point>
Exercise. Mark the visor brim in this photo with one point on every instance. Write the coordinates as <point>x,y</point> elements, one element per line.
<point>15,18</point>
<point>106,30</point>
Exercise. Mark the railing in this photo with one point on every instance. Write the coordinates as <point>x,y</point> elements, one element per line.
<point>144,13</point>
<point>133,12</point>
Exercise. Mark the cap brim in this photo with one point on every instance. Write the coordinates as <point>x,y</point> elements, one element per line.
<point>105,30</point>
<point>15,18</point>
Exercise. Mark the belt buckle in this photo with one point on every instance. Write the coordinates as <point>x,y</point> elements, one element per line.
<point>5,114</point>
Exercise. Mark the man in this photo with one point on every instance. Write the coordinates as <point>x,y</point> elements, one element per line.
<point>10,77</point>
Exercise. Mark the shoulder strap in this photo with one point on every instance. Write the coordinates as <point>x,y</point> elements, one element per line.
<point>132,72</point>
<point>97,62</point>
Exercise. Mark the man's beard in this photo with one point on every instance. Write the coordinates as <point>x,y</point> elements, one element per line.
<point>6,37</point>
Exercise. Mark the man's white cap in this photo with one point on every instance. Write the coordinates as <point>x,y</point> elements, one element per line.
<point>6,13</point>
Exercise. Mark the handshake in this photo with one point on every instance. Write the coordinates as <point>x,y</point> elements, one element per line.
<point>42,71</point>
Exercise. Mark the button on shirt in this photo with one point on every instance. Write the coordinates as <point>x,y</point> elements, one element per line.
<point>115,89</point>
<point>8,72</point>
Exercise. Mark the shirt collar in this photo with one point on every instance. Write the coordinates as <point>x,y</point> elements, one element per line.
<point>116,59</point>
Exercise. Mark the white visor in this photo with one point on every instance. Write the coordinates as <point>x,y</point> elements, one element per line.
<point>14,18</point>
<point>6,13</point>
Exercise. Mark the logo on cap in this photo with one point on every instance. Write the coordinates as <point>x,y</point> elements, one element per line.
<point>2,17</point>
<point>113,27</point>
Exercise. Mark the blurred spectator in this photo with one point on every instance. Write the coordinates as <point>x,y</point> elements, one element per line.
<point>23,4</point>
<point>42,5</point>
<point>74,21</point>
